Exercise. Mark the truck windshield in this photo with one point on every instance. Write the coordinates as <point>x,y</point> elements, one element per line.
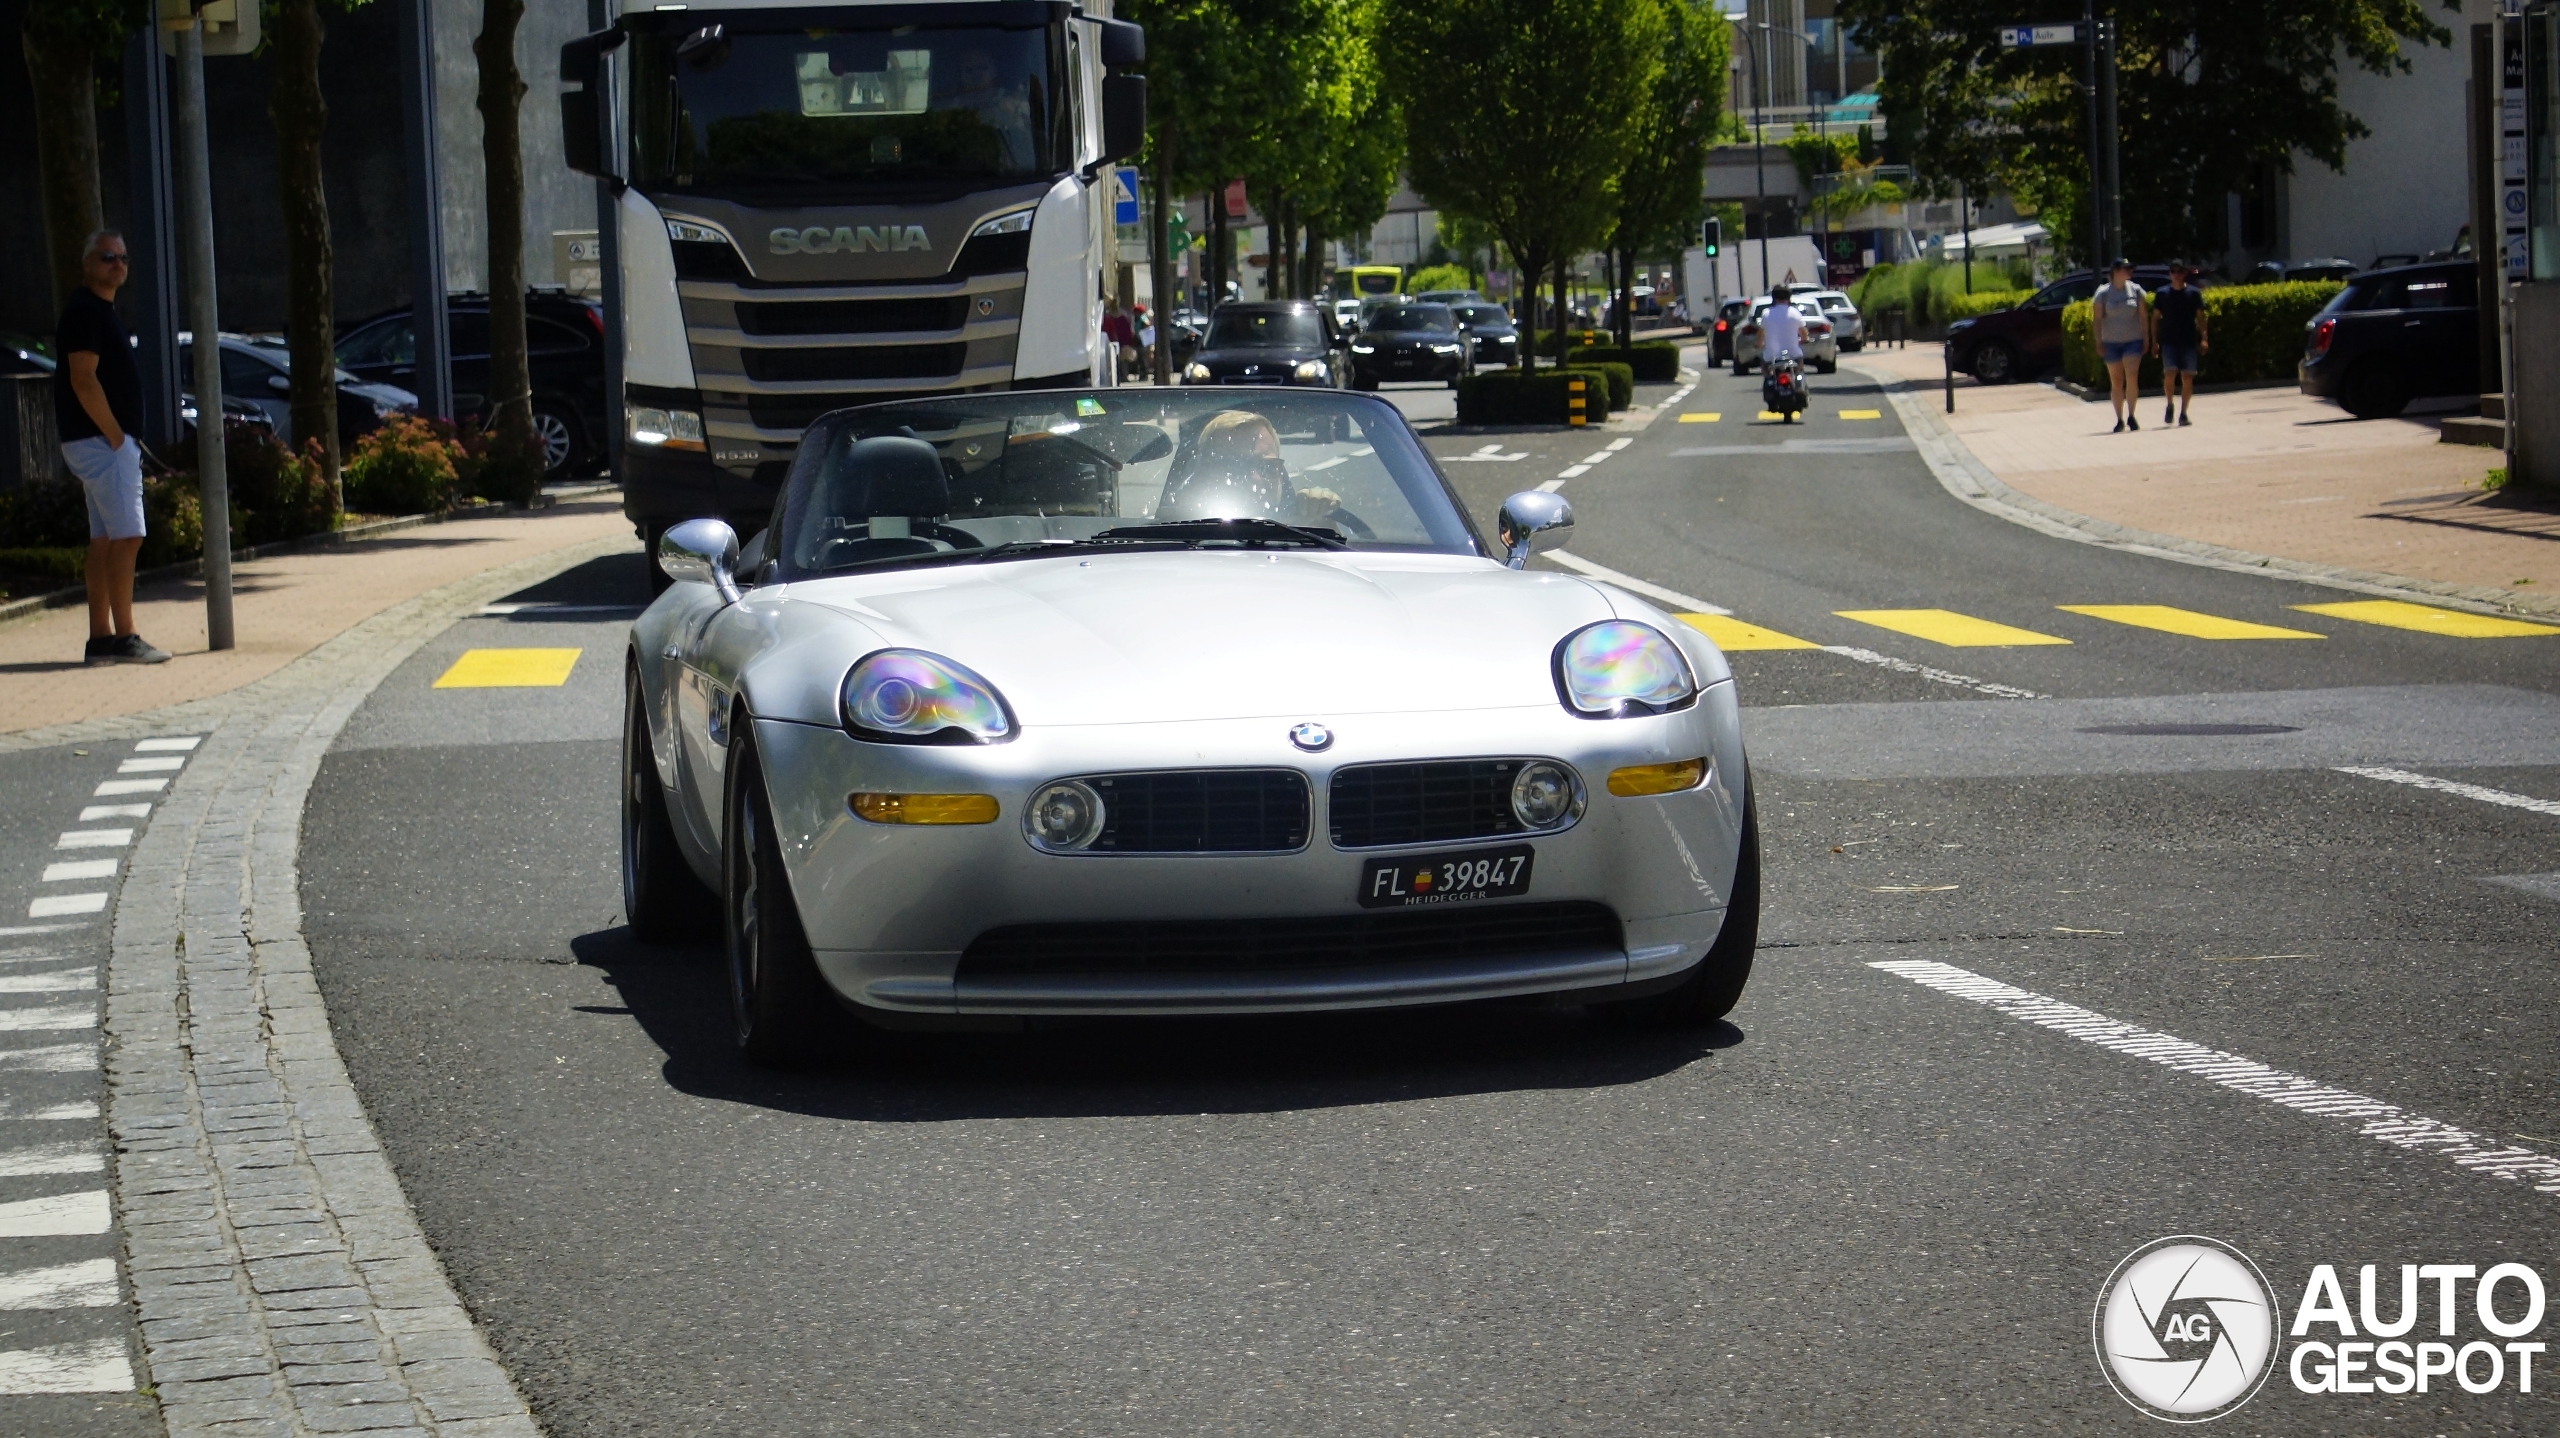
<point>761,105</point>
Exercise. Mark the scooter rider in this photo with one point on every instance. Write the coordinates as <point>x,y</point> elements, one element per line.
<point>1781,330</point>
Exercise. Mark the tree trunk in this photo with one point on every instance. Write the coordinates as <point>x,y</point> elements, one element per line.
<point>1218,248</point>
<point>1525,295</point>
<point>1564,311</point>
<point>1160,259</point>
<point>1627,281</point>
<point>310,327</point>
<point>502,91</point>
<point>62,72</point>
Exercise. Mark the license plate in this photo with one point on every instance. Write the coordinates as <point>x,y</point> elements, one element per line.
<point>1421,880</point>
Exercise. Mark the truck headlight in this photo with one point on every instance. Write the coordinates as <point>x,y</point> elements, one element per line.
<point>1311,372</point>
<point>1618,669</point>
<point>1013,224</point>
<point>663,428</point>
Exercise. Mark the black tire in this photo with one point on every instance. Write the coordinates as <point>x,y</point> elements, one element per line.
<point>659,580</point>
<point>784,1015</point>
<point>663,900</point>
<point>1827,367</point>
<point>1709,991</point>
<point>2375,389</point>
<point>1997,362</point>
<point>564,447</point>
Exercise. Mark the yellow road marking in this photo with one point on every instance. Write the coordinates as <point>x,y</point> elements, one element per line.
<point>1731,634</point>
<point>510,669</point>
<point>1708,417</point>
<point>1862,414</point>
<point>1945,626</point>
<point>1771,414</point>
<point>2452,623</point>
<point>2172,620</point>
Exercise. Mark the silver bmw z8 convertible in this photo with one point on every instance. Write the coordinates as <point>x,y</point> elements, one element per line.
<point>1156,701</point>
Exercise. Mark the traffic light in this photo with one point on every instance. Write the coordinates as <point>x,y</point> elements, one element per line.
<point>1711,236</point>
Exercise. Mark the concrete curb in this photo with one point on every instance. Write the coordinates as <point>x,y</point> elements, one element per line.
<point>283,1284</point>
<point>307,544</point>
<point>1968,479</point>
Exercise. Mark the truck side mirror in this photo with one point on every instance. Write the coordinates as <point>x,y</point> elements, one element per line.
<point>1124,45</point>
<point>586,119</point>
<point>1124,116</point>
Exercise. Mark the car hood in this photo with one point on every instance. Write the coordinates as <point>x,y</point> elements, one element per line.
<point>390,394</point>
<point>1135,638</point>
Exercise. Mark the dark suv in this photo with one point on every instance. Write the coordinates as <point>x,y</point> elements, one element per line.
<point>1269,342</point>
<point>564,337</point>
<point>2025,342</point>
<point>2395,335</point>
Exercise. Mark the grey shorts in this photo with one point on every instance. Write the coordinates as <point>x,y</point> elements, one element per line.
<point>112,478</point>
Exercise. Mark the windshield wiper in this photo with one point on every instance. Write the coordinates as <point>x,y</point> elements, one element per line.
<point>1239,531</point>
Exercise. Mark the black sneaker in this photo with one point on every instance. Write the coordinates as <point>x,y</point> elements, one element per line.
<point>134,649</point>
<point>100,651</point>
<point>2182,419</point>
<point>2119,429</point>
<point>2132,422</point>
<point>2169,415</point>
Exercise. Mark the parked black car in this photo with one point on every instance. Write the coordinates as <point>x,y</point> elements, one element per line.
<point>2395,335</point>
<point>2271,272</point>
<point>1269,342</point>
<point>2026,342</point>
<point>1729,317</point>
<point>258,375</point>
<point>564,336</point>
<point>1488,326</point>
<point>1410,342</point>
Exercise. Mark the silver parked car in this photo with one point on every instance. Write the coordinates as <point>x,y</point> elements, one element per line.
<point>1848,327</point>
<point>1821,347</point>
<point>1159,701</point>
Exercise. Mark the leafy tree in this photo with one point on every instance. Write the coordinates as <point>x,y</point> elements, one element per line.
<point>62,42</point>
<point>1661,191</point>
<point>301,116</point>
<point>514,451</point>
<point>1520,114</point>
<point>2209,97</point>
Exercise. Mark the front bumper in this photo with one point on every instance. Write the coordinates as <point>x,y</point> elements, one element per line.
<point>1390,367</point>
<point>890,910</point>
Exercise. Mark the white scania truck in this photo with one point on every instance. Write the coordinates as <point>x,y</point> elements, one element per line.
<point>830,204</point>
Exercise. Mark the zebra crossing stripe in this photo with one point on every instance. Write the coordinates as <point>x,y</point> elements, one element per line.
<point>2382,1121</point>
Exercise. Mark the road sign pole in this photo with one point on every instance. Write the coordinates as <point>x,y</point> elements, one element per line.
<point>2108,128</point>
<point>2097,166</point>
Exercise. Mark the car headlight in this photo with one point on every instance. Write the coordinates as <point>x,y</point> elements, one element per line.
<point>1447,349</point>
<point>1197,371</point>
<point>1545,795</point>
<point>1618,668</point>
<point>906,696</point>
<point>1063,817</point>
<point>1311,371</point>
<point>1364,349</point>
<point>663,428</point>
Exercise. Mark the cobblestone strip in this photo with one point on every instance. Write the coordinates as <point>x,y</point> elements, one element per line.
<point>283,1284</point>
<point>1966,477</point>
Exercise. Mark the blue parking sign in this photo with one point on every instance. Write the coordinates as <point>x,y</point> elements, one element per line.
<point>1124,196</point>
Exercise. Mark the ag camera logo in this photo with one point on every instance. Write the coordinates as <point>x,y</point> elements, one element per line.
<point>2186,1328</point>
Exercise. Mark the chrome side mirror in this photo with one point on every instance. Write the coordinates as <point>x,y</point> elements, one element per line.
<point>702,551</point>
<point>1531,520</point>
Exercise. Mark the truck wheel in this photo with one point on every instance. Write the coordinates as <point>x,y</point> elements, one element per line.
<point>1996,362</point>
<point>1710,990</point>
<point>2375,389</point>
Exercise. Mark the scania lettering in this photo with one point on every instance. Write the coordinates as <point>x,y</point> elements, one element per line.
<point>831,204</point>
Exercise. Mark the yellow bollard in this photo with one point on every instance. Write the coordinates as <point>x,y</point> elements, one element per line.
<point>1574,416</point>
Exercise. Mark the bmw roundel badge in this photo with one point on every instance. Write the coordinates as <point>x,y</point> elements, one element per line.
<point>1311,737</point>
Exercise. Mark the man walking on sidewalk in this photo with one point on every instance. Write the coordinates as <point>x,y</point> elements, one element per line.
<point>97,402</point>
<point>2123,321</point>
<point>2177,313</point>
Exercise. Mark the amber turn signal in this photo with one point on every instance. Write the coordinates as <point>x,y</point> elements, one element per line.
<point>925,808</point>
<point>1642,779</point>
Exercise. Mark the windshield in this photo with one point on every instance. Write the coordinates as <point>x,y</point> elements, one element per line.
<point>1484,315</point>
<point>1413,317</point>
<point>1040,469</point>
<point>759,105</point>
<point>1266,329</point>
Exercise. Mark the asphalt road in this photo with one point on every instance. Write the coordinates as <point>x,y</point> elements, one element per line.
<point>1878,1200</point>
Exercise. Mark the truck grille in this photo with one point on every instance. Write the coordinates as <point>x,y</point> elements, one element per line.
<point>1246,945</point>
<point>852,317</point>
<point>1202,811</point>
<point>1373,805</point>
<point>919,362</point>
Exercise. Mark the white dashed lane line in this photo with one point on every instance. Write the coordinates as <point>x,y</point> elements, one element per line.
<point>2382,1122</point>
<point>2480,792</point>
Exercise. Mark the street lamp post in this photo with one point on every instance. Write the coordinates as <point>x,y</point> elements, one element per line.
<point>1741,20</point>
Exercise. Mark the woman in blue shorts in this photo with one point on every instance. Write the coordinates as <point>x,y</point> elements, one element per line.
<point>2121,314</point>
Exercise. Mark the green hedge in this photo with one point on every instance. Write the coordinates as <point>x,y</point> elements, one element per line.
<point>1932,292</point>
<point>1622,378</point>
<point>1652,361</point>
<point>2254,332</point>
<point>1984,302</point>
<point>1510,397</point>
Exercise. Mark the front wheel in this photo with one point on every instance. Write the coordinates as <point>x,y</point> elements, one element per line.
<point>661,898</point>
<point>1709,991</point>
<point>1996,363</point>
<point>778,999</point>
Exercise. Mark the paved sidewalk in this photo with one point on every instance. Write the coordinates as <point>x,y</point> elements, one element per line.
<point>2263,471</point>
<point>283,608</point>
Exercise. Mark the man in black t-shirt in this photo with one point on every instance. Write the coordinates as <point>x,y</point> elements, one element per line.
<point>2178,311</point>
<point>97,403</point>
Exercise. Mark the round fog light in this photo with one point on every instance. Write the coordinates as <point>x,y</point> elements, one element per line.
<point>1065,815</point>
<point>1543,795</point>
